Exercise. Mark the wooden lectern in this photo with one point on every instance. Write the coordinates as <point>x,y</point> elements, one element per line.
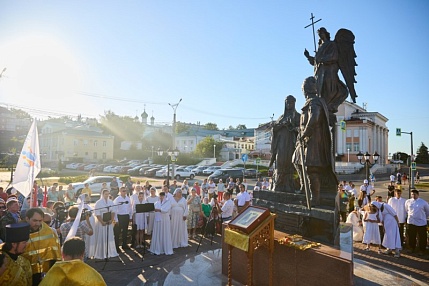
<point>251,229</point>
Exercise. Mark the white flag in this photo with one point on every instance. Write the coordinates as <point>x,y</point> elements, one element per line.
<point>76,223</point>
<point>28,166</point>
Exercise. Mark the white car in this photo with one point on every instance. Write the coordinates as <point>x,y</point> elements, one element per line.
<point>71,166</point>
<point>89,167</point>
<point>210,170</point>
<point>95,184</point>
<point>108,168</point>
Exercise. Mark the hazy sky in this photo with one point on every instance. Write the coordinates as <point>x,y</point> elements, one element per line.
<point>232,62</point>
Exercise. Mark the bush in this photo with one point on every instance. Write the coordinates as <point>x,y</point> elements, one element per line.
<point>75,179</point>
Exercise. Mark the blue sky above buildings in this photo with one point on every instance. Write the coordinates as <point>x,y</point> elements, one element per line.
<point>232,62</point>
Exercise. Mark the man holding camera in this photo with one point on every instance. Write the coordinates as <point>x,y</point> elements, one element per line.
<point>83,229</point>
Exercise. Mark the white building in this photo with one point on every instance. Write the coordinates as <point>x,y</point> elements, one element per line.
<point>365,131</point>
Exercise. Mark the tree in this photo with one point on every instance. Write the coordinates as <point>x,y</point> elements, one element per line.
<point>211,126</point>
<point>422,154</point>
<point>124,128</point>
<point>205,148</point>
<point>20,113</point>
<point>241,126</point>
<point>181,127</point>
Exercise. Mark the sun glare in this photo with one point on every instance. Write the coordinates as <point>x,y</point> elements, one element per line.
<point>42,72</point>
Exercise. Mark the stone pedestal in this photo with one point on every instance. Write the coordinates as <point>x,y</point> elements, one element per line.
<point>318,224</point>
<point>316,266</point>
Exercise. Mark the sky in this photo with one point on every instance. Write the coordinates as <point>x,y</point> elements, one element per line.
<point>231,62</point>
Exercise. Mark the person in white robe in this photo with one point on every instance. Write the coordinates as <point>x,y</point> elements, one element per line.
<point>179,214</point>
<point>153,198</point>
<point>353,218</point>
<point>89,239</point>
<point>161,235</point>
<point>104,229</point>
<point>140,220</point>
<point>392,239</point>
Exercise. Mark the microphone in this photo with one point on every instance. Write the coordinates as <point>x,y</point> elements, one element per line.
<point>126,202</point>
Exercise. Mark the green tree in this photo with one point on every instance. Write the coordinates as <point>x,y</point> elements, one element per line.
<point>124,128</point>
<point>20,113</point>
<point>205,148</point>
<point>422,154</point>
<point>211,126</point>
<point>181,127</point>
<point>241,126</point>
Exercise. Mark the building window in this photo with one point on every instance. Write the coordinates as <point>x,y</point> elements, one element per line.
<point>94,156</point>
<point>86,153</point>
<point>348,146</point>
<point>104,143</point>
<point>348,133</point>
<point>75,142</point>
<point>104,154</point>
<point>85,142</point>
<point>95,145</point>
<point>356,147</point>
<point>356,133</point>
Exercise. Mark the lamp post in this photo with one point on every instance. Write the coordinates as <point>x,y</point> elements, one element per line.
<point>348,155</point>
<point>170,158</point>
<point>174,106</point>
<point>152,154</point>
<point>214,150</point>
<point>367,163</point>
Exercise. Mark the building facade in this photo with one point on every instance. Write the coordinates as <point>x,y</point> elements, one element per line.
<point>364,131</point>
<point>74,141</point>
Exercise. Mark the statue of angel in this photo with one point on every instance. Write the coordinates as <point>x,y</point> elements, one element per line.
<point>331,56</point>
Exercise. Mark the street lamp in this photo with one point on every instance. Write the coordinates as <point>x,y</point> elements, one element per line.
<point>367,163</point>
<point>348,155</point>
<point>170,158</point>
<point>214,151</point>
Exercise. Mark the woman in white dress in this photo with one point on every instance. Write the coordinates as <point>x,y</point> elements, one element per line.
<point>139,220</point>
<point>103,229</point>
<point>372,233</point>
<point>179,214</point>
<point>153,198</point>
<point>353,218</point>
<point>161,235</point>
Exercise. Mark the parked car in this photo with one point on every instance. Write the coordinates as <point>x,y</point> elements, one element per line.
<point>107,169</point>
<point>224,174</point>
<point>251,173</point>
<point>144,169</point>
<point>89,167</point>
<point>191,167</point>
<point>116,169</point>
<point>210,170</point>
<point>199,170</point>
<point>135,170</point>
<point>100,167</point>
<point>95,184</point>
<point>151,172</point>
<point>182,173</point>
<point>71,166</point>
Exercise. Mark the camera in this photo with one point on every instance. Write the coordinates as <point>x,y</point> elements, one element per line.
<point>61,214</point>
<point>85,214</point>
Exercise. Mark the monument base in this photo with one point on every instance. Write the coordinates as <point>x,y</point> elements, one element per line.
<point>323,265</point>
<point>317,224</point>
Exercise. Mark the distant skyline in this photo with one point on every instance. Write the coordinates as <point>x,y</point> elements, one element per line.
<point>232,62</point>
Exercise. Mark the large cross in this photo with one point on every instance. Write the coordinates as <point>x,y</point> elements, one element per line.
<point>312,24</point>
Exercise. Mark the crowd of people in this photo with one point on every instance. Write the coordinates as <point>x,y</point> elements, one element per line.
<point>169,216</point>
<point>393,223</point>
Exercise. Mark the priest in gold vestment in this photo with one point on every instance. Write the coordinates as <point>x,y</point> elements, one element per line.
<point>72,270</point>
<point>14,269</point>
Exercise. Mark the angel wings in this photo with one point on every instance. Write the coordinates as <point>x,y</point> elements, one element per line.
<point>345,40</point>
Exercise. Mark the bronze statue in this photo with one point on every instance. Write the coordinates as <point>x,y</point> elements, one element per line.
<point>330,57</point>
<point>284,133</point>
<point>313,157</point>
